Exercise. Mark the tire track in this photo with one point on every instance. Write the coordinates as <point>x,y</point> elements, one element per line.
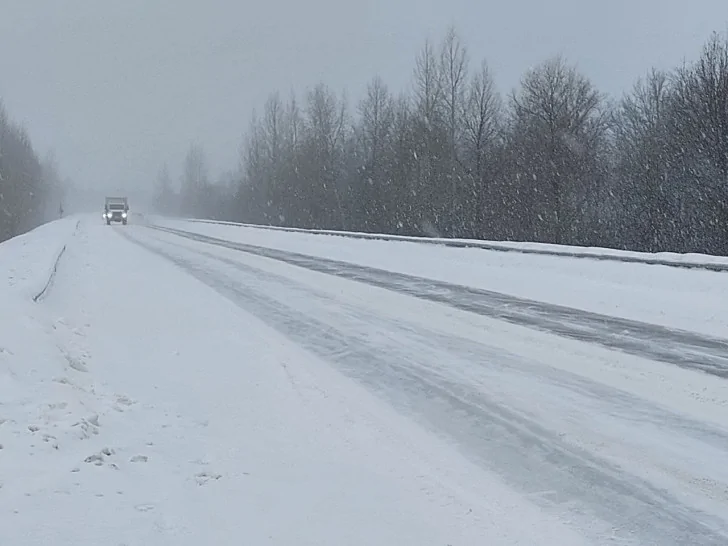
<point>597,496</point>
<point>688,350</point>
<point>625,405</point>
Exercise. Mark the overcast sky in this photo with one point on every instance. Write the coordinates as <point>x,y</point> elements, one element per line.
<point>118,87</point>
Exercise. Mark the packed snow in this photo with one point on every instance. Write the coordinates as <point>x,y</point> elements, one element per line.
<point>692,300</point>
<point>167,391</point>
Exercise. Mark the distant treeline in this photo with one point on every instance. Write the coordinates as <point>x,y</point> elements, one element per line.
<point>555,161</point>
<point>30,189</point>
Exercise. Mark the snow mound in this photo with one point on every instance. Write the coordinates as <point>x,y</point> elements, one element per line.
<point>27,261</point>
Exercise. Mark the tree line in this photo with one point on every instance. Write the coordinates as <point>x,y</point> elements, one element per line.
<point>30,188</point>
<point>554,161</point>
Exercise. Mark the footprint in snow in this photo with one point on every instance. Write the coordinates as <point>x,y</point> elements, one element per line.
<point>124,400</point>
<point>203,477</point>
<point>122,403</point>
<point>98,458</point>
<point>87,427</point>
<point>76,363</point>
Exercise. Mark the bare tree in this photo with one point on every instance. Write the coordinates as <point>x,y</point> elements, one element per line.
<point>53,187</point>
<point>373,198</point>
<point>454,71</point>
<point>24,196</point>
<point>252,194</point>
<point>273,121</point>
<point>376,118</point>
<point>429,91</point>
<point>481,115</point>
<point>642,162</point>
<point>430,201</point>
<point>325,130</point>
<point>558,162</point>
<point>165,197</point>
<point>194,182</point>
<point>699,125</point>
<point>455,189</point>
<point>292,212</point>
<point>403,178</point>
<point>558,113</point>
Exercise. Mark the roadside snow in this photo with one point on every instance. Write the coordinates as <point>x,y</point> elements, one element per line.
<point>26,261</point>
<point>686,299</point>
<point>49,405</point>
<point>51,411</point>
<point>546,248</point>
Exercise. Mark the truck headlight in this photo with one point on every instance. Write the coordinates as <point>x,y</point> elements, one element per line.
<point>123,214</point>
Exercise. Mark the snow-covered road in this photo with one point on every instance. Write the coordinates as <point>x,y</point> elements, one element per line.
<point>676,298</point>
<point>226,396</point>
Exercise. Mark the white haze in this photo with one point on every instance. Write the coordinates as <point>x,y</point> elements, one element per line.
<point>117,89</point>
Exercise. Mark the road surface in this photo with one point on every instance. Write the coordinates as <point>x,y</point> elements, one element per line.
<point>282,397</point>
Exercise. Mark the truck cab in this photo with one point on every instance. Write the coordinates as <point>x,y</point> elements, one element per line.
<point>116,209</point>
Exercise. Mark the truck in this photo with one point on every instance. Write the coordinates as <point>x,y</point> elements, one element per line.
<point>116,209</point>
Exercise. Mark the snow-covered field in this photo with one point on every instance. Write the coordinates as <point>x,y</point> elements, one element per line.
<point>688,299</point>
<point>167,391</point>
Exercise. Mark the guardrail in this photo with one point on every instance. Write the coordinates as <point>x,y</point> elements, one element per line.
<point>668,259</point>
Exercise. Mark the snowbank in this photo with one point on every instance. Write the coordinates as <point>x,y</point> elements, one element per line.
<point>27,261</point>
<point>672,259</point>
<point>51,410</point>
<point>46,402</point>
